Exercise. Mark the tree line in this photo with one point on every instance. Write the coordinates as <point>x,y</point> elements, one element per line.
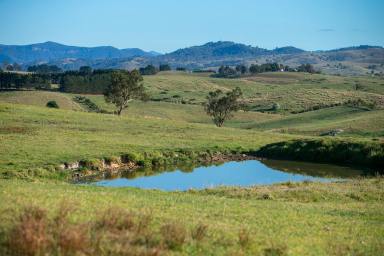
<point>12,80</point>
<point>152,70</point>
<point>85,80</point>
<point>242,70</point>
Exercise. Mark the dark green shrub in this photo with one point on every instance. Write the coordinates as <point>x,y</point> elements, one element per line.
<point>88,104</point>
<point>275,107</point>
<point>52,104</point>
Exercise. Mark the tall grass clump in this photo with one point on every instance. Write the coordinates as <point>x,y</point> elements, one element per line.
<point>30,235</point>
<point>199,232</point>
<point>174,235</point>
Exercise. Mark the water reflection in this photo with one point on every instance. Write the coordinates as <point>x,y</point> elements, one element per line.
<point>244,173</point>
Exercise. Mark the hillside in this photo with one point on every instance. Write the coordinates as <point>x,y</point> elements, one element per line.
<point>359,60</point>
<point>51,52</point>
<point>310,104</point>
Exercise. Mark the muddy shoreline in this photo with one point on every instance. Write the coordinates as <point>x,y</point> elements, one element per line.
<point>82,174</point>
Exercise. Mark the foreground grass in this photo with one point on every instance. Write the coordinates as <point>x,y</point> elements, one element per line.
<point>344,218</point>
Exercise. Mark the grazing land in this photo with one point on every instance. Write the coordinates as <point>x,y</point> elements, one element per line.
<point>339,218</point>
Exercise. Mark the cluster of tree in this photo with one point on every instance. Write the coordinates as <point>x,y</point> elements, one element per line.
<point>164,67</point>
<point>239,70</point>
<point>152,70</point>
<point>227,72</point>
<point>148,70</point>
<point>85,80</point>
<point>44,69</point>
<point>267,67</point>
<point>306,68</point>
<point>203,71</point>
<point>10,80</point>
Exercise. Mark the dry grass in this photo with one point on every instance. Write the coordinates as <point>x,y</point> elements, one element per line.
<point>30,235</point>
<point>276,250</point>
<point>244,237</point>
<point>114,231</point>
<point>174,235</point>
<point>199,232</point>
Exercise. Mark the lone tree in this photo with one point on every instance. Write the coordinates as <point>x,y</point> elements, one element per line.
<point>124,87</point>
<point>220,105</point>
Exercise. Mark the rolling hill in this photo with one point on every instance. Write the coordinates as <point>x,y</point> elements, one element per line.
<point>359,60</point>
<point>51,52</point>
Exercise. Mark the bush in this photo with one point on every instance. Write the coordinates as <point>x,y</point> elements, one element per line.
<point>52,104</point>
<point>275,107</point>
<point>88,104</point>
<point>174,235</point>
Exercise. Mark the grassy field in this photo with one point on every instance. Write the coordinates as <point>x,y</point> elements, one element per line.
<point>35,137</point>
<point>39,98</point>
<point>293,91</point>
<point>289,219</point>
<point>340,218</point>
<point>353,120</point>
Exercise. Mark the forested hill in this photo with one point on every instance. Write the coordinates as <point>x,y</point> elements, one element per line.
<point>357,60</point>
<point>51,51</point>
<point>225,49</point>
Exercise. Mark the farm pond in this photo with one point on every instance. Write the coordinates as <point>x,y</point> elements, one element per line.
<point>243,173</point>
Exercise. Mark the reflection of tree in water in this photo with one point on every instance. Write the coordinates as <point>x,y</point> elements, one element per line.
<point>316,169</point>
<point>187,167</point>
<point>295,167</point>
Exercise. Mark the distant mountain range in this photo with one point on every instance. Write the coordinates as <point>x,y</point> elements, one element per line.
<point>51,51</point>
<point>351,60</point>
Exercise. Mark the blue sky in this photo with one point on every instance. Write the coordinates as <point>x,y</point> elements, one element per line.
<point>167,25</point>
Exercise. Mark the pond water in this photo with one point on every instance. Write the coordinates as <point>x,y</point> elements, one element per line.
<point>244,173</point>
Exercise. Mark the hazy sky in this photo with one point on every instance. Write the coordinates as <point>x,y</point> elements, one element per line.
<point>167,25</point>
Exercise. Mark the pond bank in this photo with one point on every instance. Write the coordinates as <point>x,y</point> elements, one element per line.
<point>112,166</point>
<point>368,154</point>
<point>337,151</point>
